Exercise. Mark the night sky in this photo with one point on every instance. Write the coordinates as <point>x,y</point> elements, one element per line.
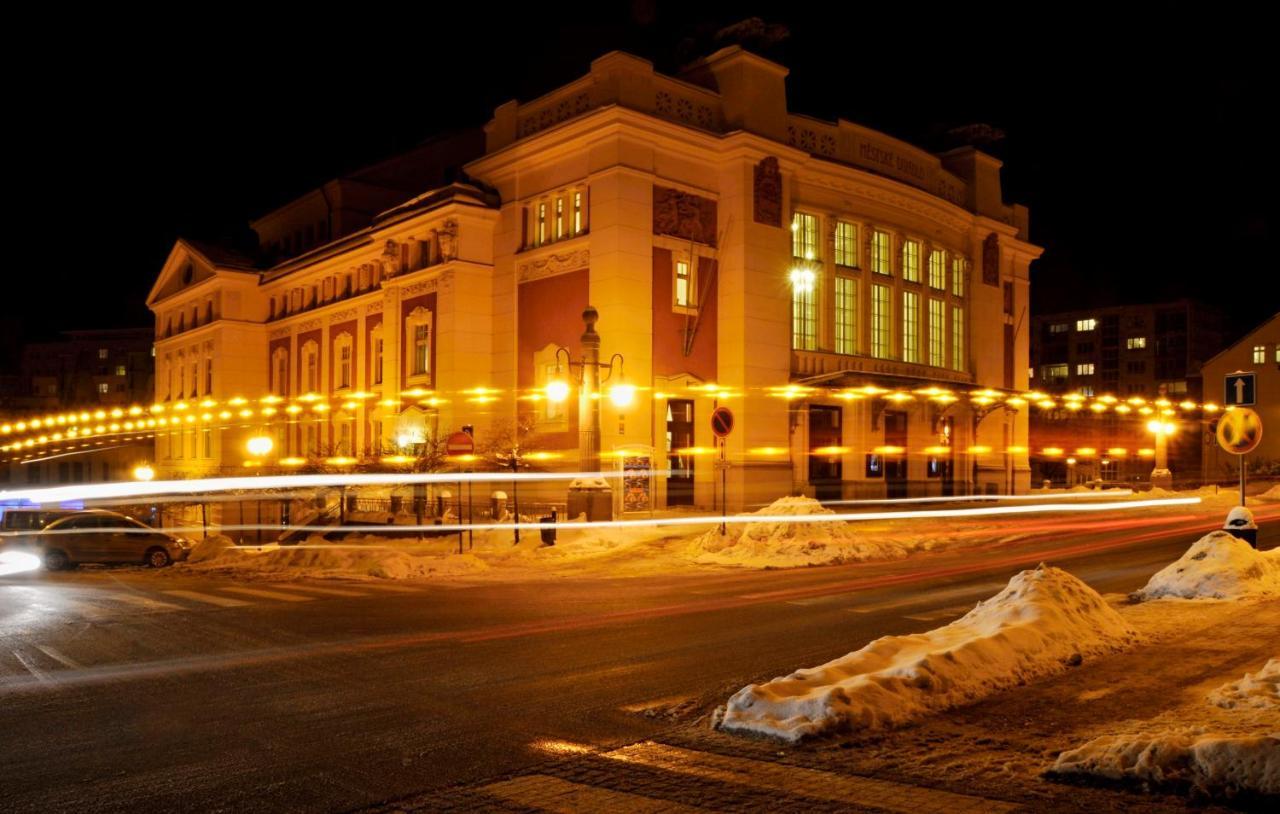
<point>1139,149</point>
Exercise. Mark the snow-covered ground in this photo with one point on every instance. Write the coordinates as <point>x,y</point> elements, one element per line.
<point>1043,622</point>
<point>1217,566</point>
<point>1225,746</point>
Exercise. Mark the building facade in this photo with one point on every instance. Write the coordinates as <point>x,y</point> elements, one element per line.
<point>842,292</point>
<point>1257,352</point>
<point>1140,352</point>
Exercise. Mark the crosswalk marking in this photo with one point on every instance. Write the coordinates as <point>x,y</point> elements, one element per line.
<point>27,662</point>
<point>60,657</point>
<point>548,793</point>
<point>209,599</point>
<point>283,597</point>
<point>383,586</point>
<point>146,602</point>
<point>317,589</point>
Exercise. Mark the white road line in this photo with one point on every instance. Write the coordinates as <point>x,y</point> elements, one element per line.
<point>270,594</point>
<point>382,586</point>
<point>59,656</point>
<point>26,661</point>
<point>318,590</point>
<point>147,602</point>
<point>208,599</point>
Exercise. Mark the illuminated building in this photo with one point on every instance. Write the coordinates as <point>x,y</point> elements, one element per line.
<point>830,284</point>
<point>1257,351</point>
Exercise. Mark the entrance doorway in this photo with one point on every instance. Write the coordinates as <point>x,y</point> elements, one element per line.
<point>826,472</point>
<point>679,437</point>
<point>895,461</point>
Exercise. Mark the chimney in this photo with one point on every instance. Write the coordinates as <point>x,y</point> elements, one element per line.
<point>752,90</point>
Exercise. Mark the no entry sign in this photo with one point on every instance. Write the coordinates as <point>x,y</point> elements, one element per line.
<point>459,444</point>
<point>721,422</point>
<point>1239,430</point>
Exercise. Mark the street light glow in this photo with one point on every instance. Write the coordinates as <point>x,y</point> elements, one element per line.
<point>143,472</point>
<point>622,394</point>
<point>802,279</point>
<point>557,390</point>
<point>259,446</point>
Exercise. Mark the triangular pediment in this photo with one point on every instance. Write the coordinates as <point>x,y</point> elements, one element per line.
<point>185,267</point>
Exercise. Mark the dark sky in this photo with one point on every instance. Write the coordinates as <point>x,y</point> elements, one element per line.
<point>1139,148</point>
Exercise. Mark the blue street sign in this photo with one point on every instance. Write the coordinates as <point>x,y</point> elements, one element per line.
<point>1239,391</point>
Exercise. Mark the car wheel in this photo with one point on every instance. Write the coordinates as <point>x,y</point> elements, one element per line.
<point>56,560</point>
<point>158,558</point>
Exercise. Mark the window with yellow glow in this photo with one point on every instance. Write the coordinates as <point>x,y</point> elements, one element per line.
<point>1135,342</point>
<point>559,218</point>
<point>846,244</point>
<point>1086,324</point>
<point>684,284</point>
<point>1259,354</point>
<point>577,213</point>
<point>938,269</point>
<point>542,224</point>
<point>804,318</point>
<point>910,326</point>
<point>937,337</point>
<point>958,360</point>
<point>880,318</point>
<point>846,315</point>
<point>959,273</point>
<point>804,236</point>
<point>1084,369</point>
<point>911,261</point>
<point>881,263</point>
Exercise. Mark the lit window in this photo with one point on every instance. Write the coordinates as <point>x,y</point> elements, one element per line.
<point>311,364</point>
<point>1176,388</point>
<point>958,360</point>
<point>1259,354</point>
<point>104,388</point>
<point>542,224</point>
<point>1135,342</point>
<point>1059,328</point>
<point>846,315</point>
<point>121,370</point>
<point>1277,354</point>
<point>880,321</point>
<point>846,244</point>
<point>959,272</point>
<point>1086,324</point>
<point>1084,369</point>
<point>910,326</point>
<point>559,218</point>
<point>1055,372</point>
<point>804,322</point>
<point>344,365</point>
<point>281,372</point>
<point>207,439</point>
<point>804,236</point>
<point>684,285</point>
<point>938,269</point>
<point>1087,391</point>
<point>377,360</point>
<point>880,260</point>
<point>577,213</point>
<point>102,353</point>
<point>421,348</point>
<point>937,336</point>
<point>911,261</point>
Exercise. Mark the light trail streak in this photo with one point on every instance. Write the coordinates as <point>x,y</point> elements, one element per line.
<point>982,498</point>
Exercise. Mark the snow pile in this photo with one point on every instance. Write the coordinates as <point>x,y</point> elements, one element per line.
<point>1217,566</point>
<point>1260,690</point>
<point>775,541</point>
<point>1042,622</point>
<point>350,561</point>
<point>1232,750</point>
<point>1271,494</point>
<point>210,548</point>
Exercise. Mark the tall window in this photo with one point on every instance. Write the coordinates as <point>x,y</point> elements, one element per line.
<point>846,244</point>
<point>910,326</point>
<point>1259,354</point>
<point>1135,342</point>
<point>937,337</point>
<point>880,317</point>
<point>195,379</point>
<point>103,353</point>
<point>684,284</point>
<point>959,271</point>
<point>542,223</point>
<point>804,236</point>
<point>1084,369</point>
<point>804,322</point>
<point>880,260</point>
<point>344,365</point>
<point>208,375</point>
<point>421,348</point>
<point>577,213</point>
<point>938,269</point>
<point>911,261</point>
<point>957,338</point>
<point>282,372</point>
<point>311,363</point>
<point>377,359</point>
<point>559,218</point>
<point>846,315</point>
<point>1086,324</point>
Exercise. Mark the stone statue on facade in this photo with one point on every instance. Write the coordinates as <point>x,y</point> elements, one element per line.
<point>448,238</point>
<point>390,259</point>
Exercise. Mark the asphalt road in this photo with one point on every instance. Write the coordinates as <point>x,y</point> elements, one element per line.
<point>127,690</point>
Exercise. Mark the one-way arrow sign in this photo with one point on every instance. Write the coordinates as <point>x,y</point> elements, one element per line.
<point>1239,390</point>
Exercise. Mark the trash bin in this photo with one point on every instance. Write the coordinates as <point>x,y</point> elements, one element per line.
<point>1240,524</point>
<point>497,505</point>
<point>548,534</point>
<point>592,498</point>
<point>442,502</point>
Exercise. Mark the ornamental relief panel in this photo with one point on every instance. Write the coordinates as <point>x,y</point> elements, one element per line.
<point>279,333</point>
<point>309,325</point>
<point>552,264</point>
<point>767,192</point>
<point>339,316</point>
<point>421,287</point>
<point>373,308</point>
<point>684,215</point>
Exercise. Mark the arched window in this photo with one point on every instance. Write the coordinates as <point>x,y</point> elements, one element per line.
<point>418,341</point>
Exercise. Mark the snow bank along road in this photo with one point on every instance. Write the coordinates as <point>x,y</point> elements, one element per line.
<point>122,690</point>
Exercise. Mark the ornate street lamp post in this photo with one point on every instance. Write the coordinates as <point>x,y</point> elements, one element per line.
<point>1161,477</point>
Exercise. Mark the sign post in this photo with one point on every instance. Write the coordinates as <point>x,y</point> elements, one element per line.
<point>722,425</point>
<point>457,444</point>
<point>1239,433</point>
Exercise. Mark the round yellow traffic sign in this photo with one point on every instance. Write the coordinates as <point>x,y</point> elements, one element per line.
<point>1239,430</point>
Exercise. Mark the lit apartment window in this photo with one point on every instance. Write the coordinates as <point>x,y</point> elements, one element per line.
<point>1084,369</point>
<point>1278,354</point>
<point>542,223</point>
<point>959,273</point>
<point>880,316</point>
<point>910,326</point>
<point>957,338</point>
<point>102,353</point>
<point>938,269</point>
<point>1259,354</point>
<point>1059,328</point>
<point>846,315</point>
<point>577,213</point>
<point>1055,372</point>
<point>1086,324</point>
<point>911,261</point>
<point>104,388</point>
<point>377,360</point>
<point>684,285</point>
<point>121,370</point>
<point>1135,342</point>
<point>804,323</point>
<point>880,260</point>
<point>846,244</point>
<point>804,236</point>
<point>937,335</point>
<point>1176,388</point>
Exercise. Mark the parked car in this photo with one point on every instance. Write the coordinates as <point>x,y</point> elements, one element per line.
<point>95,535</point>
<point>19,525</point>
